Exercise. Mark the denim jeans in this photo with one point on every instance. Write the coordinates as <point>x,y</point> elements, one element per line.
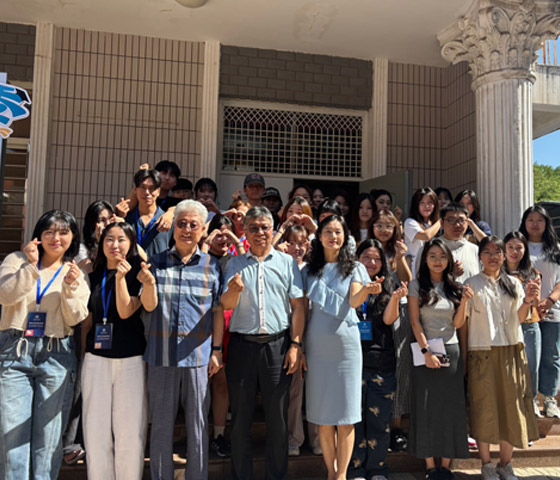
<point>371,443</point>
<point>532,338</point>
<point>549,371</point>
<point>35,374</point>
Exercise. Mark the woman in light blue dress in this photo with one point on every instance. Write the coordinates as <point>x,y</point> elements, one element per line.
<point>335,286</point>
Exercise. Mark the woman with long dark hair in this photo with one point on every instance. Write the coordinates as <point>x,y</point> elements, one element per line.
<point>437,308</point>
<point>362,214</point>
<point>423,223</point>
<point>500,400</point>
<point>544,250</point>
<point>377,314</point>
<point>335,286</point>
<point>98,215</point>
<point>518,264</point>
<point>43,295</point>
<point>115,407</point>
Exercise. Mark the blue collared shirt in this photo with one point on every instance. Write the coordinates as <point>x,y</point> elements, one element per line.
<point>180,332</point>
<point>264,304</point>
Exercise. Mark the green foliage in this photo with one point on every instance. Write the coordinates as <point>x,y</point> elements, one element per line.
<point>546,183</point>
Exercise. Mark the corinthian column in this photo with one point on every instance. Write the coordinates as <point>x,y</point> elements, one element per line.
<point>499,39</point>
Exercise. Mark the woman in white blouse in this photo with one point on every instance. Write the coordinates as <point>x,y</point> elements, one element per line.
<point>501,409</point>
<point>423,223</point>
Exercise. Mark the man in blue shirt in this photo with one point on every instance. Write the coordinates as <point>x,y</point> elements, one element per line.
<point>184,343</point>
<point>145,216</point>
<point>265,291</point>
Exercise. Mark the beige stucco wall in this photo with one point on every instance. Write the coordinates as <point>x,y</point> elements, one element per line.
<point>120,101</point>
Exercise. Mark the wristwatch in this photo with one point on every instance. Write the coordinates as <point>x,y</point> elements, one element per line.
<point>426,350</point>
<point>216,348</point>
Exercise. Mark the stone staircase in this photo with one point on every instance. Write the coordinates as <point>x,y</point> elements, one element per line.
<point>544,453</point>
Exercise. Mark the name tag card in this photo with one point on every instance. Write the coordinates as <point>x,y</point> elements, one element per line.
<point>103,336</point>
<point>36,324</point>
<point>365,330</point>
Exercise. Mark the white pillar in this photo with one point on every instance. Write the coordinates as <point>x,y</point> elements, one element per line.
<point>500,40</point>
<point>210,95</point>
<point>43,69</point>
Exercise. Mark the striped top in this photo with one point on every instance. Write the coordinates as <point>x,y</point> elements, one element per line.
<point>180,328</point>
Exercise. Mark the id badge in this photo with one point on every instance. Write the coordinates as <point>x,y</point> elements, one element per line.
<point>103,336</point>
<point>365,330</point>
<point>36,324</point>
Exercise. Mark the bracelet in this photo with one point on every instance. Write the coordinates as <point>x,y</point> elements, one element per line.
<point>551,301</point>
<point>216,348</point>
<point>299,344</point>
<point>526,303</point>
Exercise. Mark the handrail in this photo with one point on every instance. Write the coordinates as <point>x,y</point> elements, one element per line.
<point>549,54</point>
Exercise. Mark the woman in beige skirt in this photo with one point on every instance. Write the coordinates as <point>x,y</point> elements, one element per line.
<point>501,410</point>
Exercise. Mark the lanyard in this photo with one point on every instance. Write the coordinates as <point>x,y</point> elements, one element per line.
<point>364,308</point>
<point>104,300</point>
<point>39,293</point>
<point>138,230</point>
<point>164,201</point>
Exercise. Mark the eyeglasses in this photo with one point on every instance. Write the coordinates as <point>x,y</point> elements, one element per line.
<point>193,226</point>
<point>455,221</point>
<point>383,226</point>
<point>488,254</point>
<point>259,228</point>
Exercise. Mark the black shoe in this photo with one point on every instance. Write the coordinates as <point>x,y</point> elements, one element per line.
<point>432,474</point>
<point>398,440</point>
<point>445,473</point>
<point>220,447</point>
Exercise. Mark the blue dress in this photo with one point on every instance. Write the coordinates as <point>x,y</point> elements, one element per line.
<point>333,348</point>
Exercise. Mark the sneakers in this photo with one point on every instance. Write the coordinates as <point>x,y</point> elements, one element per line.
<point>489,472</point>
<point>472,443</point>
<point>445,474</point>
<point>293,451</point>
<point>506,473</point>
<point>379,477</point>
<point>398,441</point>
<point>536,409</point>
<point>432,474</point>
<point>220,447</point>
<point>317,450</point>
<point>551,408</point>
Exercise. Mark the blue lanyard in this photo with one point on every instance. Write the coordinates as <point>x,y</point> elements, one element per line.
<point>39,293</point>
<point>138,230</point>
<point>104,300</point>
<point>364,308</point>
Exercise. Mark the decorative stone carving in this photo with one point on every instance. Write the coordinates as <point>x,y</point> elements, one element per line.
<point>500,38</point>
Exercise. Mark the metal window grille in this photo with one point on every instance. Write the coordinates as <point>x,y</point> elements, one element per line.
<point>292,142</point>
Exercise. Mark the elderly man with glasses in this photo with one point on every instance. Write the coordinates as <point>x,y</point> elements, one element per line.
<point>264,288</point>
<point>184,343</point>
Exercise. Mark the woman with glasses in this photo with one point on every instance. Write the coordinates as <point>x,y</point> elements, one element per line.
<point>501,407</point>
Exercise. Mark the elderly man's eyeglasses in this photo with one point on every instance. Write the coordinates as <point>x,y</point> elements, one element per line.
<point>259,228</point>
<point>192,226</point>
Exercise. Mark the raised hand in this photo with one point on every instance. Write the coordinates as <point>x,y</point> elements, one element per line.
<point>31,251</point>
<point>144,276</point>
<point>236,284</point>
<point>164,222</point>
<point>374,288</point>
<point>458,269</point>
<point>122,269</point>
<point>123,207</point>
<point>400,249</point>
<point>468,293</point>
<point>402,291</point>
<point>73,273</point>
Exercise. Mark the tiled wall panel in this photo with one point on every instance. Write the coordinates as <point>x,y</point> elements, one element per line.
<point>120,101</point>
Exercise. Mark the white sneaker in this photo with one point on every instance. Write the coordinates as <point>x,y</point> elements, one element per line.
<point>536,409</point>
<point>379,477</point>
<point>317,450</point>
<point>551,408</point>
<point>488,471</point>
<point>293,451</point>
<point>506,473</point>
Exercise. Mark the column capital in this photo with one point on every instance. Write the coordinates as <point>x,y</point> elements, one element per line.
<point>500,38</point>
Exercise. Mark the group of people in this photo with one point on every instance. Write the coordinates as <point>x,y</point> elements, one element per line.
<point>165,298</point>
